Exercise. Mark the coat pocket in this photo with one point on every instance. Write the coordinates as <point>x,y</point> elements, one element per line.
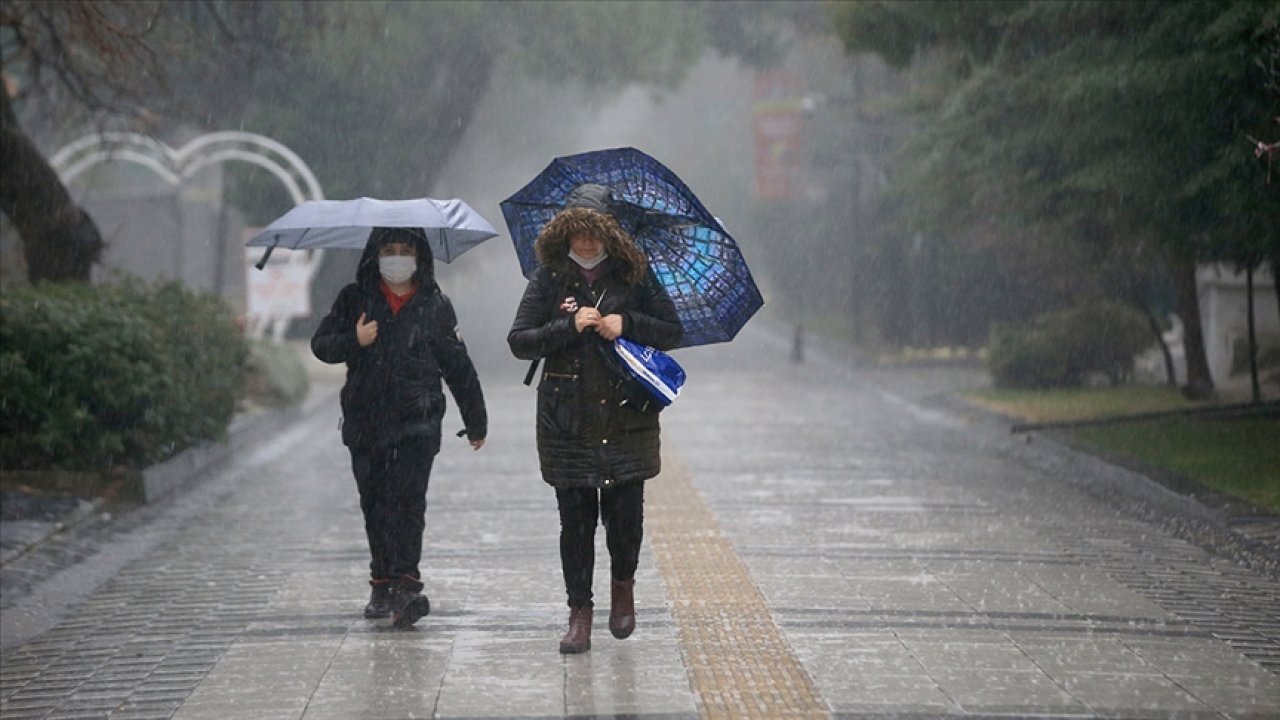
<point>558,406</point>
<point>416,401</point>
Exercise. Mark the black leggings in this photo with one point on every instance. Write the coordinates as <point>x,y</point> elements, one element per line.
<point>393,497</point>
<point>621,508</point>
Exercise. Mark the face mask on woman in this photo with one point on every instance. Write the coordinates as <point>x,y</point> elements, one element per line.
<point>397,269</point>
<point>585,263</point>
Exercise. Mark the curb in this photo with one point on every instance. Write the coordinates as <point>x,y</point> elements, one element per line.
<point>84,511</point>
<point>1190,511</point>
<point>180,472</point>
<point>195,462</point>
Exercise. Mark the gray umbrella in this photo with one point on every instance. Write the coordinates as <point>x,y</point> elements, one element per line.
<point>451,226</point>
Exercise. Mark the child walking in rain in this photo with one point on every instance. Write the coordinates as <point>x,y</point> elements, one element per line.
<point>397,333</point>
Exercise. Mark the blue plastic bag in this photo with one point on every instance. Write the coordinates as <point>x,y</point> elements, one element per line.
<point>653,369</point>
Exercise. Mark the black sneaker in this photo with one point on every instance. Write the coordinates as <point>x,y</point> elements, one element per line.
<point>379,600</point>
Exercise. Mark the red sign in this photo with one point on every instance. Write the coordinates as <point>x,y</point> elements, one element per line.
<point>779,129</point>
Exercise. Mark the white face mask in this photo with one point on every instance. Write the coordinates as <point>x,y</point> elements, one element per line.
<point>585,263</point>
<point>397,269</point>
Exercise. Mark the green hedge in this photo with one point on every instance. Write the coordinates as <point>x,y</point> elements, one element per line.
<point>96,377</point>
<point>1065,348</point>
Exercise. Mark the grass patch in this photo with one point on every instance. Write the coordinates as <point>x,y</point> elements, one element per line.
<point>943,354</point>
<point>1238,456</point>
<point>1061,405</point>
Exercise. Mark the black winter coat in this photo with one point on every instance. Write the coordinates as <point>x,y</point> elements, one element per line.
<point>393,385</point>
<point>587,435</point>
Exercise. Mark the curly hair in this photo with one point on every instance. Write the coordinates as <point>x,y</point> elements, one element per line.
<point>552,245</point>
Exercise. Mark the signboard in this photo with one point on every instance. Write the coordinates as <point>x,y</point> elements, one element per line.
<point>279,290</point>
<point>282,289</point>
<point>779,129</point>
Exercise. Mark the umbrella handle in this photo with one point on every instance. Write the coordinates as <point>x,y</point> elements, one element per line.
<point>267,255</point>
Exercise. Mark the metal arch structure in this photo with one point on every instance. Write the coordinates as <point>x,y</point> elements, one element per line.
<point>176,166</point>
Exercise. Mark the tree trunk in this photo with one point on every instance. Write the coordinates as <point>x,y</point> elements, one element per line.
<point>1275,276</point>
<point>1253,338</point>
<point>1199,381</point>
<point>59,240</point>
<point>1171,377</point>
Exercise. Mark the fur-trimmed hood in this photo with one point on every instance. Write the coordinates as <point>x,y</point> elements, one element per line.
<point>552,245</point>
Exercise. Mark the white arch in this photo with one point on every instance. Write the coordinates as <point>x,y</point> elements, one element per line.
<point>232,136</point>
<point>79,155</point>
<point>90,159</point>
<point>290,183</point>
<point>175,166</point>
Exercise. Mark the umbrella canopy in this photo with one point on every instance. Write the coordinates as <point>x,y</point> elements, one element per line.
<point>690,252</point>
<point>451,226</point>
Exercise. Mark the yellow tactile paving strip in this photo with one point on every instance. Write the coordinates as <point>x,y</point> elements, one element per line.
<point>739,664</point>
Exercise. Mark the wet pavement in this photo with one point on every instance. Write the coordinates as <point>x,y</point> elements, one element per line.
<point>824,541</point>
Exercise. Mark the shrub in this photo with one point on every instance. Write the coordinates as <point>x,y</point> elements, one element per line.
<point>1268,353</point>
<point>1026,357</point>
<point>1064,348</point>
<point>100,376</point>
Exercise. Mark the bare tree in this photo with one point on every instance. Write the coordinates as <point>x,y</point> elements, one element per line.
<point>110,59</point>
<point>93,53</point>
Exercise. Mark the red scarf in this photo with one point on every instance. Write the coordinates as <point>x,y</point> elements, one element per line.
<point>395,301</point>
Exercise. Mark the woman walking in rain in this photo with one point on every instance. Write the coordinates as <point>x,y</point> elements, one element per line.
<point>397,333</point>
<point>595,448</point>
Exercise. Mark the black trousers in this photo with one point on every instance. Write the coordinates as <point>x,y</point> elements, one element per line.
<point>621,508</point>
<point>393,497</point>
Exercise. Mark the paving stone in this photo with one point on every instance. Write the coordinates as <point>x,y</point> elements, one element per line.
<point>1127,695</point>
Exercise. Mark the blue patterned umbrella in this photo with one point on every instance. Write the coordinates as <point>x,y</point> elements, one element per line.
<point>689,251</point>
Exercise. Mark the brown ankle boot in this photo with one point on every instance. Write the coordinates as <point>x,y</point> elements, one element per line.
<point>578,639</point>
<point>622,611</point>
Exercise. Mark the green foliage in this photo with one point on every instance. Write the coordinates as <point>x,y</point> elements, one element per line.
<point>603,43</point>
<point>375,102</point>
<point>377,95</point>
<point>1129,116</point>
<point>1268,353</point>
<point>1064,348</point>
<point>1122,128</point>
<point>898,30</point>
<point>102,376</point>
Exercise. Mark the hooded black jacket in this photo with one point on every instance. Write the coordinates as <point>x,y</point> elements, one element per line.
<point>393,386</point>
